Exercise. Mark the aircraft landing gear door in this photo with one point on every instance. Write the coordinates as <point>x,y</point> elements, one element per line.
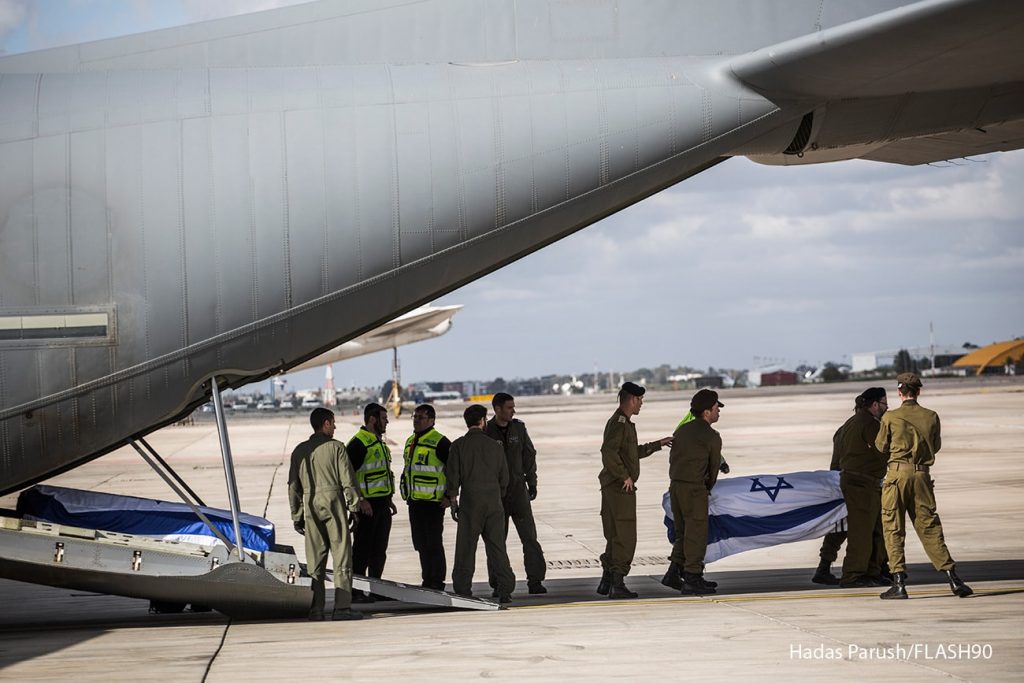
<point>229,466</point>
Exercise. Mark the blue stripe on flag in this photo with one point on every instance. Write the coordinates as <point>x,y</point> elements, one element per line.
<point>721,527</point>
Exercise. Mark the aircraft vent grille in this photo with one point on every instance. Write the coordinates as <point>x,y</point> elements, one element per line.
<point>802,137</point>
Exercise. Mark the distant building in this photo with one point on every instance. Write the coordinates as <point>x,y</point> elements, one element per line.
<point>1000,358</point>
<point>778,378</point>
<point>709,382</point>
<point>866,361</point>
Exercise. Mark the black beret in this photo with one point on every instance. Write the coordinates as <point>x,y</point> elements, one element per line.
<point>705,399</point>
<point>632,389</point>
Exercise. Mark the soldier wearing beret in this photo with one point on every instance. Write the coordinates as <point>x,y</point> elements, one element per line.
<point>620,457</point>
<point>910,437</point>
<point>693,467</point>
<point>862,467</point>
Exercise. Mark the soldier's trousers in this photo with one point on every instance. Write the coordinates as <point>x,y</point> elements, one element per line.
<point>831,544</point>
<point>486,519</point>
<point>690,516</point>
<point>330,535</point>
<point>865,545</point>
<point>426,522</point>
<point>618,518</point>
<point>370,549</point>
<point>518,509</point>
<point>907,492</point>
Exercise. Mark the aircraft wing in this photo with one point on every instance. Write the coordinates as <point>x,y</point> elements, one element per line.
<point>932,81</point>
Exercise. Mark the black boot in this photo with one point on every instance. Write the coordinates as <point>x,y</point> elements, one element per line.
<point>899,588</point>
<point>823,574</point>
<point>957,585</point>
<point>673,578</point>
<point>535,588</point>
<point>606,583</point>
<point>694,584</point>
<point>343,607</point>
<point>618,589</point>
<point>316,608</point>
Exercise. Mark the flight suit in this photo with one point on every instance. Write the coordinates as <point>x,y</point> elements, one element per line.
<point>476,465</point>
<point>693,469</point>
<point>521,457</point>
<point>862,467</point>
<point>620,457</point>
<point>910,437</point>
<point>322,491</point>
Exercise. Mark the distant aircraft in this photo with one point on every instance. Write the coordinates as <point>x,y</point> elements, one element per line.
<point>233,198</point>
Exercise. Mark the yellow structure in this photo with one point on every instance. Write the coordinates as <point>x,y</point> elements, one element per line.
<point>993,355</point>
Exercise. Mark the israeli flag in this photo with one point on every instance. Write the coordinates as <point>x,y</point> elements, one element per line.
<point>765,510</point>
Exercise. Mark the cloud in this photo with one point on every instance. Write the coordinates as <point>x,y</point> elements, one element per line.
<point>12,13</point>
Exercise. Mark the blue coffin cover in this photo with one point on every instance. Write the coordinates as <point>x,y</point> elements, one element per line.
<point>140,516</point>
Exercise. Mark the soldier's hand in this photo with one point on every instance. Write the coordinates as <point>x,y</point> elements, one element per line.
<point>353,521</point>
<point>667,441</point>
<point>724,467</point>
<point>628,484</point>
<point>533,491</point>
<point>300,527</point>
<point>455,512</point>
<point>392,508</point>
<point>365,507</point>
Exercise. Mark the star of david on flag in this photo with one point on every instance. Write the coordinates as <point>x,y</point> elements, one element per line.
<point>768,509</point>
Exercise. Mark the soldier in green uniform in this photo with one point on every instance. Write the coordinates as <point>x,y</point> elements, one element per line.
<point>862,467</point>
<point>322,495</point>
<point>521,457</point>
<point>476,467</point>
<point>424,489</point>
<point>371,459</point>
<point>620,457</point>
<point>694,464</point>
<point>910,437</point>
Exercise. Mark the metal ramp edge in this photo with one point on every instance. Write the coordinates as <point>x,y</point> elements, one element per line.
<point>418,595</point>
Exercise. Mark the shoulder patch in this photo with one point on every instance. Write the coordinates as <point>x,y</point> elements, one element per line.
<point>622,418</point>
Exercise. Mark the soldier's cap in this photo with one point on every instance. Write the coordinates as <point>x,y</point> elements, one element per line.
<point>871,395</point>
<point>705,399</point>
<point>908,379</point>
<point>632,389</point>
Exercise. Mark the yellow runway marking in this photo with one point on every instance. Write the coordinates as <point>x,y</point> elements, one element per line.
<point>749,598</point>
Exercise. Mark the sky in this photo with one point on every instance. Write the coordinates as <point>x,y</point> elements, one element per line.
<point>741,265</point>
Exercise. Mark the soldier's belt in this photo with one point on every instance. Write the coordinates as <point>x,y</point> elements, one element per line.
<point>908,466</point>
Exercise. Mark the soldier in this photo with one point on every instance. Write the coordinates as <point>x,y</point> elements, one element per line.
<point>910,437</point>
<point>476,465</point>
<point>832,542</point>
<point>371,459</point>
<point>424,488</point>
<point>862,468</point>
<point>322,495</point>
<point>620,457</point>
<point>521,457</point>
<point>694,464</point>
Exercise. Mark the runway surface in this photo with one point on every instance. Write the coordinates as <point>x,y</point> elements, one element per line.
<point>768,619</point>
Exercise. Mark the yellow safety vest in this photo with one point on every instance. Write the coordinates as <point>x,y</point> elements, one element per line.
<point>689,417</point>
<point>423,477</point>
<point>374,475</point>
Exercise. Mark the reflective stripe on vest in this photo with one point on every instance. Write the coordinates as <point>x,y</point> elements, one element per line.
<point>374,475</point>
<point>423,476</point>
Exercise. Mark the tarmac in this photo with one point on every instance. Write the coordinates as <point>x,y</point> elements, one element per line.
<point>767,620</point>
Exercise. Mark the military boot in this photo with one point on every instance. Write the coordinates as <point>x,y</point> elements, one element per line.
<point>316,609</point>
<point>694,584</point>
<point>536,588</point>
<point>618,589</point>
<point>673,578</point>
<point>957,585</point>
<point>342,607</point>
<point>823,574</point>
<point>899,588</point>
<point>606,583</point>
